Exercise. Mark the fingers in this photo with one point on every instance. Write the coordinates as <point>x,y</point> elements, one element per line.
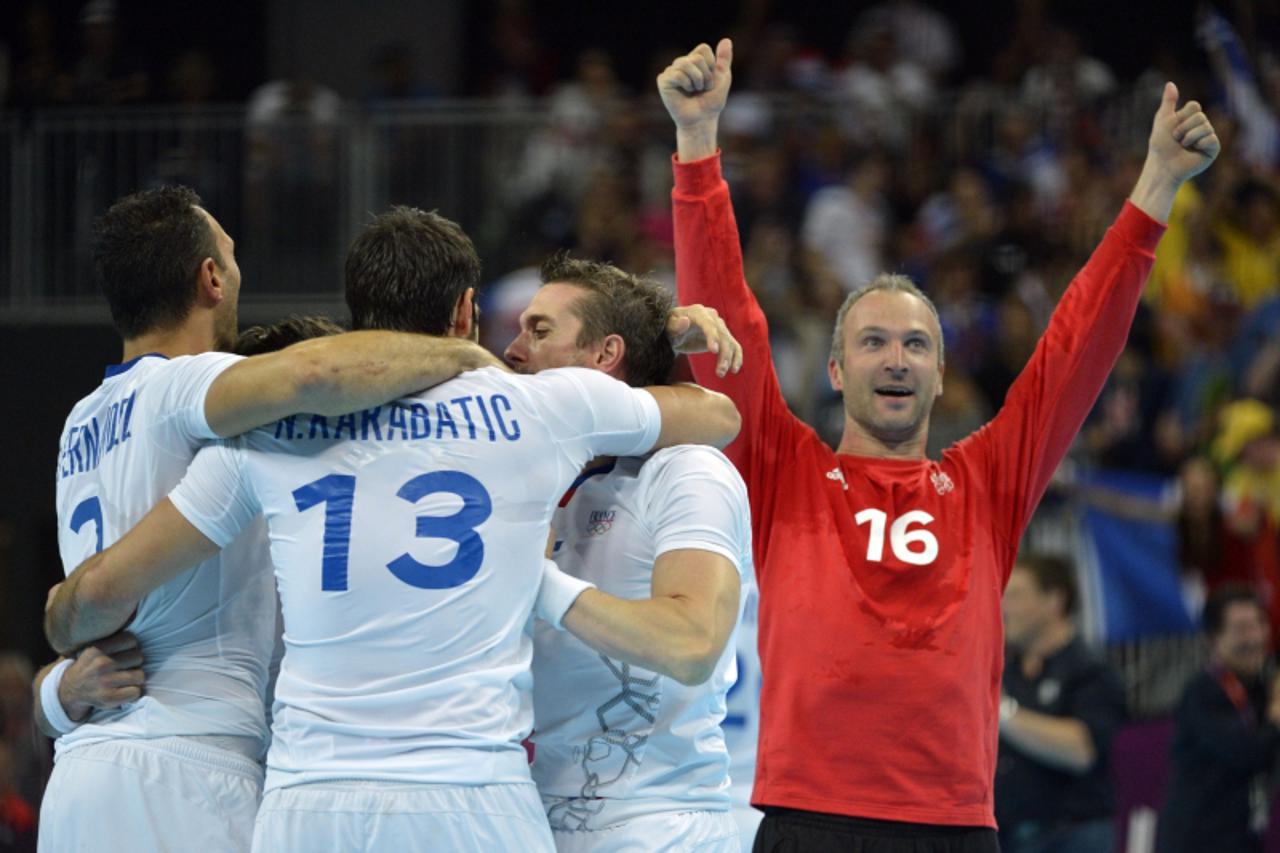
<point>719,341</point>
<point>1198,135</point>
<point>691,73</point>
<point>724,55</point>
<point>116,643</point>
<point>119,688</point>
<point>1189,111</point>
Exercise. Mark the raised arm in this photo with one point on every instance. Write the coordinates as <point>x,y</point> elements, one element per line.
<point>709,270</point>
<point>101,595</point>
<point>335,375</point>
<point>1044,409</point>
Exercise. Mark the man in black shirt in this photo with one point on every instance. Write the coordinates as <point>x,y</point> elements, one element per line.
<point>1225,736</point>
<point>1060,708</point>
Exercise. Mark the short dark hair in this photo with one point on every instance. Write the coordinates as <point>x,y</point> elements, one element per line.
<point>1220,600</point>
<point>407,269</point>
<point>147,249</point>
<point>257,340</point>
<point>1052,574</point>
<point>618,303</point>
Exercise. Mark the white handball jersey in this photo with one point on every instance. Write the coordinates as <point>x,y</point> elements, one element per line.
<point>206,636</point>
<point>742,718</point>
<point>408,543</point>
<point>613,740</point>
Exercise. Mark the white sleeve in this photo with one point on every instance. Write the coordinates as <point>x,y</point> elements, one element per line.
<point>183,389</point>
<point>695,499</point>
<point>605,416</point>
<point>215,495</point>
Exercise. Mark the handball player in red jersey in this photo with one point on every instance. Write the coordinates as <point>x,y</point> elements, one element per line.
<point>881,571</point>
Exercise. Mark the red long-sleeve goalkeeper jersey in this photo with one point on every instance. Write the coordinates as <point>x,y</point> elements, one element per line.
<point>880,580</point>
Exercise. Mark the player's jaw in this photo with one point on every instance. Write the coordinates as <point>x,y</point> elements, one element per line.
<point>892,414</point>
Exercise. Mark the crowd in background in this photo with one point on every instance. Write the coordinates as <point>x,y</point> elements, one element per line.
<point>988,189</point>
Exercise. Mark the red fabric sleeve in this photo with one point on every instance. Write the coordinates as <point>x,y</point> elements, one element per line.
<point>709,271</point>
<point>1045,408</point>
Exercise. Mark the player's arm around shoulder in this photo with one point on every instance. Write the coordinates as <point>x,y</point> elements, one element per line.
<point>101,595</point>
<point>692,414</point>
<point>696,507</point>
<point>334,375</point>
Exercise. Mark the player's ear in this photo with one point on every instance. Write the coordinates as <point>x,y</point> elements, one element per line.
<point>209,286</point>
<point>610,354</point>
<point>464,322</point>
<point>835,374</point>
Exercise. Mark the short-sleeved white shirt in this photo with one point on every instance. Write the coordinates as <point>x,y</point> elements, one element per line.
<point>614,741</point>
<point>206,635</point>
<point>408,544</point>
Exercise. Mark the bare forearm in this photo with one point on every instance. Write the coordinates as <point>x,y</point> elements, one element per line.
<point>1154,192</point>
<point>697,141</point>
<point>68,624</point>
<point>335,375</point>
<point>658,634</point>
<point>1060,742</point>
<point>695,415</point>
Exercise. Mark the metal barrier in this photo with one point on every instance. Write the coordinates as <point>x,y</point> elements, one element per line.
<point>293,191</point>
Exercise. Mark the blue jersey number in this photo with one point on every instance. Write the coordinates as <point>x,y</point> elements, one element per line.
<point>89,509</point>
<point>337,492</point>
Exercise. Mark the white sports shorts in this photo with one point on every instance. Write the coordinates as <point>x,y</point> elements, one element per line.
<point>161,794</point>
<point>357,815</point>
<point>703,832</point>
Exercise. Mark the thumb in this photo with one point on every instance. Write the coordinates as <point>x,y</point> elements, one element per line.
<point>724,54</point>
<point>1169,100</point>
<point>678,325</point>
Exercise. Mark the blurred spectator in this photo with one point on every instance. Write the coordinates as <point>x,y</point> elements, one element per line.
<point>1024,156</point>
<point>105,74</point>
<point>38,78</point>
<point>919,32</point>
<point>1225,736</point>
<point>193,79</point>
<point>561,156</point>
<point>292,181</point>
<point>24,758</point>
<point>1246,228</point>
<point>1061,707</point>
<point>882,91</point>
<point>1065,78</point>
<point>518,66</point>
<point>1259,136</point>
<point>847,224</point>
<point>394,76</point>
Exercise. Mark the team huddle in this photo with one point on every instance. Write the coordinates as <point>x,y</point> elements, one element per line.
<point>379,590</point>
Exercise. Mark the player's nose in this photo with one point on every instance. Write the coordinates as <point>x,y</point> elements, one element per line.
<point>516,352</point>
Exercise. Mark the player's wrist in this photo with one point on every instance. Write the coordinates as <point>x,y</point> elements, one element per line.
<point>60,709</point>
<point>557,594</point>
<point>697,140</point>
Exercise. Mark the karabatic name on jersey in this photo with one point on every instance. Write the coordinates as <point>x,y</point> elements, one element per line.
<point>408,543</point>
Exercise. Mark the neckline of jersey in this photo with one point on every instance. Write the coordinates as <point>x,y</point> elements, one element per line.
<point>125,367</point>
<point>603,468</point>
<point>887,460</point>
